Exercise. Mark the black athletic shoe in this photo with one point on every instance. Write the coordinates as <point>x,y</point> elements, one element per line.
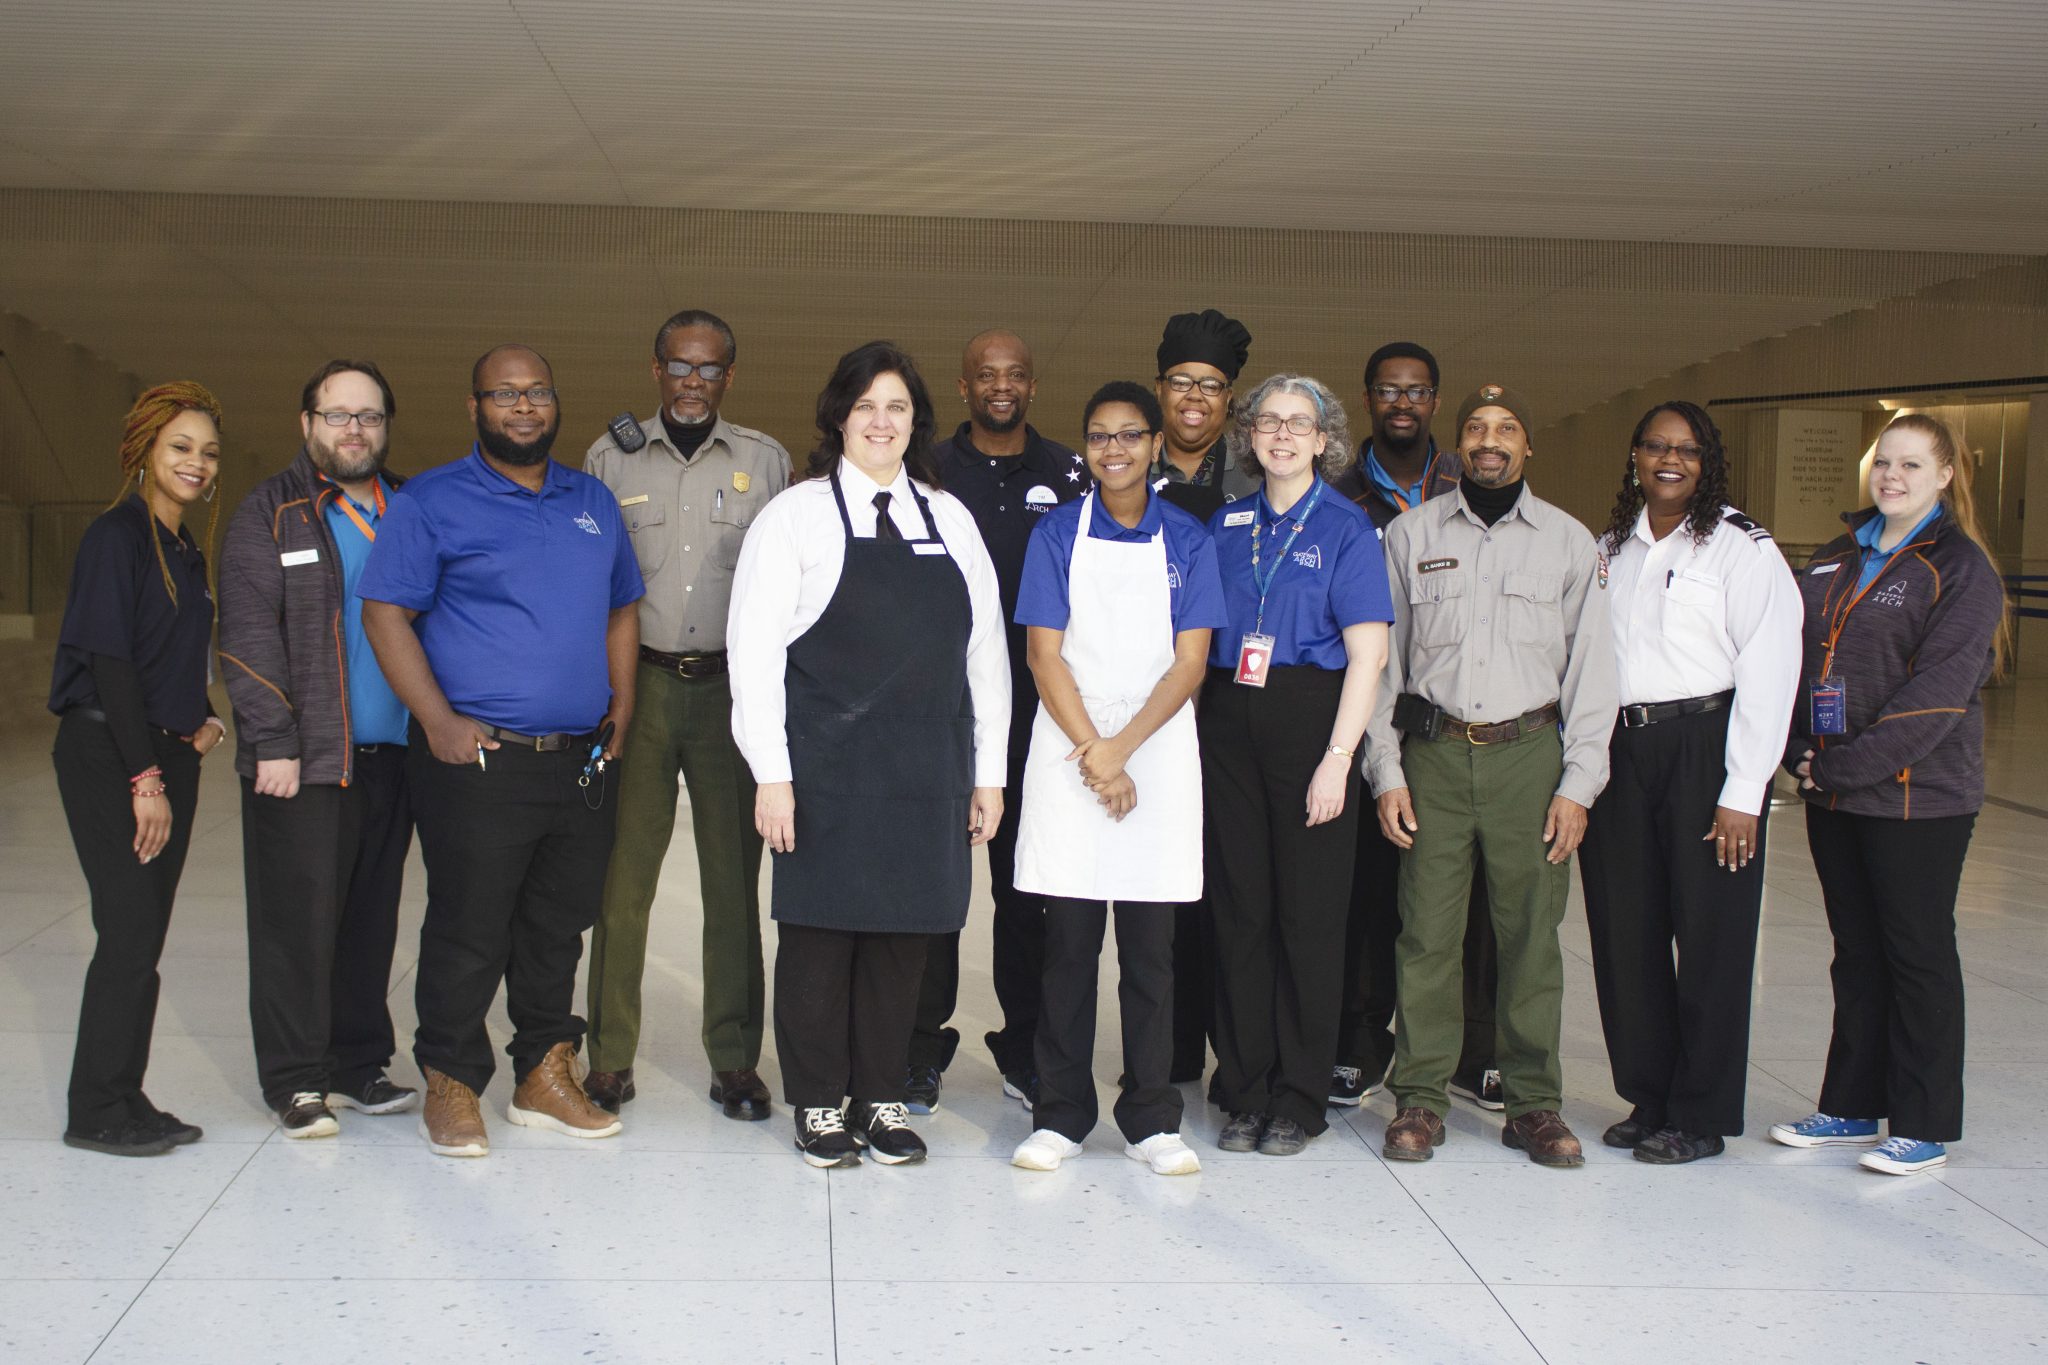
<point>377,1095</point>
<point>884,1131</point>
<point>1022,1086</point>
<point>822,1137</point>
<point>1675,1147</point>
<point>1628,1134</point>
<point>180,1133</point>
<point>1241,1134</point>
<point>921,1091</point>
<point>130,1137</point>
<point>306,1115</point>
<point>1485,1091</point>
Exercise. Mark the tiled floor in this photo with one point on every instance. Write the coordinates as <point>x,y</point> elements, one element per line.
<point>691,1238</point>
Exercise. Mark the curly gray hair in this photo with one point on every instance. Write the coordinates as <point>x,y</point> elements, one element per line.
<point>1337,450</point>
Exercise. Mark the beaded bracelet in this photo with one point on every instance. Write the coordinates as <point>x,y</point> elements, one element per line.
<point>145,774</point>
<point>157,790</point>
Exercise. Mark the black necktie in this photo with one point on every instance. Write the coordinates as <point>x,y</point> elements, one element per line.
<point>885,529</point>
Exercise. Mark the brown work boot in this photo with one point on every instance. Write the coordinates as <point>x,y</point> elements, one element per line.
<point>609,1089</point>
<point>1414,1135</point>
<point>450,1120</point>
<point>550,1098</point>
<point>1542,1134</point>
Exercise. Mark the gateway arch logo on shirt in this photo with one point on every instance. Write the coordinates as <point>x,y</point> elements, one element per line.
<point>1892,595</point>
<point>1173,575</point>
<point>1311,558</point>
<point>588,523</point>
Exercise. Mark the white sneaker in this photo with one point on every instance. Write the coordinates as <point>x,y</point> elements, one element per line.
<point>1044,1150</point>
<point>1166,1154</point>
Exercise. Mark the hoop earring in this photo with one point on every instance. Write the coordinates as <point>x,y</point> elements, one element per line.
<point>210,491</point>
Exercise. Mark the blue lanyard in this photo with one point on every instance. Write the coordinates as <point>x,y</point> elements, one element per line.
<point>1315,496</point>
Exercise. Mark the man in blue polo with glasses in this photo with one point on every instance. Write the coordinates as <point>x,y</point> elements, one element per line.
<point>501,598</point>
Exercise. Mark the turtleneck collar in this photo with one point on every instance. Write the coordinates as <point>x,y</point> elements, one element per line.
<point>1490,504</point>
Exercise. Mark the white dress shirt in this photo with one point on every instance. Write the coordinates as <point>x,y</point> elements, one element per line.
<point>789,568</point>
<point>1692,620</point>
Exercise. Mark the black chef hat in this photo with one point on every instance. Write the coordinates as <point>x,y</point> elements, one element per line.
<point>1207,337</point>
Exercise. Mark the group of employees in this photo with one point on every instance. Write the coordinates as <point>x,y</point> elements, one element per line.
<point>1316,726</point>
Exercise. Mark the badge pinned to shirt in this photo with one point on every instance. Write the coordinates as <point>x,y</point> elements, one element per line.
<point>1039,498</point>
<point>1243,518</point>
<point>1820,569</point>
<point>293,558</point>
<point>633,501</point>
<point>741,481</point>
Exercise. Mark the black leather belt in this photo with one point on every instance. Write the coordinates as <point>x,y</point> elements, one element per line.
<point>1649,713</point>
<point>706,665</point>
<point>542,744</point>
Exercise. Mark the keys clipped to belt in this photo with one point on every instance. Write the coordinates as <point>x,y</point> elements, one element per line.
<point>594,766</point>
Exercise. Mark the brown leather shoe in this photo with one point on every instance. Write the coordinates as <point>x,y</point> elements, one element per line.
<point>609,1089</point>
<point>450,1120</point>
<point>550,1098</point>
<point>1542,1134</point>
<point>1414,1135</point>
<point>743,1094</point>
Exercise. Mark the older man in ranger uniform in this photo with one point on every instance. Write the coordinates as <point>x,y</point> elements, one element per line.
<point>688,491</point>
<point>1488,744</point>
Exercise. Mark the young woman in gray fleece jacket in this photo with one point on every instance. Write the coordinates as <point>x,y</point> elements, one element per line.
<point>1905,623</point>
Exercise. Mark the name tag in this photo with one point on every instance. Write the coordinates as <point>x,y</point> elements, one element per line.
<point>292,558</point>
<point>1825,568</point>
<point>1243,518</point>
<point>633,501</point>
<point>929,548</point>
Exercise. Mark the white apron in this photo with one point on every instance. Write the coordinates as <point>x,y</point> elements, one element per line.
<point>1118,645</point>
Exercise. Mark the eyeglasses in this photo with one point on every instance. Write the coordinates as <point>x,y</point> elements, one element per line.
<point>540,395</point>
<point>1301,424</point>
<point>683,369</point>
<point>1129,440</point>
<point>1657,449</point>
<point>368,421</point>
<point>1414,393</point>
<point>1210,386</point>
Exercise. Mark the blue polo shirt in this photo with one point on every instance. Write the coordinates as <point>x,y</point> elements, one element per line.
<point>1335,575</point>
<point>1194,592</point>
<point>1874,559</point>
<point>375,714</point>
<point>514,589</point>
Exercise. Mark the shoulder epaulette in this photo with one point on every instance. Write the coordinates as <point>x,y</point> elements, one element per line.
<point>1745,525</point>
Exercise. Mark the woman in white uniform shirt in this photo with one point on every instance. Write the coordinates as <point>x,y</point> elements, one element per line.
<point>871,698</point>
<point>1706,640</point>
<point>1119,593</point>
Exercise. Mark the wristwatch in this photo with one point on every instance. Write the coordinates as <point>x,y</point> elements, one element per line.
<point>1343,752</point>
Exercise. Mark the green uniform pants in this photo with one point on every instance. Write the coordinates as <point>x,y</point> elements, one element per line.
<point>681,725</point>
<point>1483,806</point>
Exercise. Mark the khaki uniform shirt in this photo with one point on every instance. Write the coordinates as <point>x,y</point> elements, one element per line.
<point>687,519</point>
<point>1492,623</point>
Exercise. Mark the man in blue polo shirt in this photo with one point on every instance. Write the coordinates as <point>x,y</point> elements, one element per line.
<point>320,746</point>
<point>500,600</point>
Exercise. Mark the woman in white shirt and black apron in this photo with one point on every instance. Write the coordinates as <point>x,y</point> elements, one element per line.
<point>871,698</point>
<point>1119,593</point>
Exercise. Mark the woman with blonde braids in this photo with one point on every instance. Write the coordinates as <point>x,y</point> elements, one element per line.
<point>130,686</point>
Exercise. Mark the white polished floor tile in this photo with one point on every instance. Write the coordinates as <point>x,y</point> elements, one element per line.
<point>643,1321</point>
<point>54,1322</point>
<point>1728,1226</point>
<point>209,1081</point>
<point>2017,1195</point>
<point>1272,1221</point>
<point>581,1210</point>
<point>83,1216</point>
<point>1624,1326</point>
<point>1188,1323</point>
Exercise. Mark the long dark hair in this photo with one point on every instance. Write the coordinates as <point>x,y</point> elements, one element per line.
<point>853,376</point>
<point>1703,513</point>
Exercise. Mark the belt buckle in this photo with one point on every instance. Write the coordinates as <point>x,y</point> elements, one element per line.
<point>1472,735</point>
<point>1635,716</point>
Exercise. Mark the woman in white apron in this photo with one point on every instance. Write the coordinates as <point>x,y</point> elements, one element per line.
<point>1119,593</point>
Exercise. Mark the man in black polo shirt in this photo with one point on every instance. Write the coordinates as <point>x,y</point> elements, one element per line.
<point>1009,476</point>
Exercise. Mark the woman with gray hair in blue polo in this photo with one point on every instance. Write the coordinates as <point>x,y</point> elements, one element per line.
<point>1284,706</point>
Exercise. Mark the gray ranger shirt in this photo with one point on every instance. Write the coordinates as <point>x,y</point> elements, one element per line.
<point>687,519</point>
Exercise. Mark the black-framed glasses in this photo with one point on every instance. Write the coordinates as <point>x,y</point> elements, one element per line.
<point>1210,386</point>
<point>540,395</point>
<point>368,421</point>
<point>1414,393</point>
<point>710,373</point>
<point>1657,449</point>
<point>1129,440</point>
<point>1301,424</point>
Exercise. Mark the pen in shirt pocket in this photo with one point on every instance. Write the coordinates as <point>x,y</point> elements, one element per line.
<point>718,502</point>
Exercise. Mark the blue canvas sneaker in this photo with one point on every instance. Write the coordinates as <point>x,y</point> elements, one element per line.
<point>1825,1130</point>
<point>1904,1156</point>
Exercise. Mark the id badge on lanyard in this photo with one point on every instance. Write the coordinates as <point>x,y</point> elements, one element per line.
<point>1255,647</point>
<point>1828,702</point>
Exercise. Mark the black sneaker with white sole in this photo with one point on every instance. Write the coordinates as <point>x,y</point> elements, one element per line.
<point>822,1138</point>
<point>1350,1085</point>
<point>306,1115</point>
<point>377,1095</point>
<point>1484,1092</point>
<point>1022,1086</point>
<point>884,1131</point>
<point>921,1091</point>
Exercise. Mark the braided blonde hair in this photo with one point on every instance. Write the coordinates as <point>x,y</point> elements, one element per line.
<point>154,410</point>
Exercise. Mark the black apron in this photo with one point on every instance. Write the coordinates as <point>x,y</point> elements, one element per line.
<point>881,744</point>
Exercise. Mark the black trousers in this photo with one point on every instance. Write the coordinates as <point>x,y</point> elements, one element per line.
<point>131,911</point>
<point>1365,1032</point>
<point>323,871</point>
<point>1677,1032</point>
<point>1149,1103</point>
<point>1890,889</point>
<point>1018,957</point>
<point>1278,890</point>
<point>843,1006</point>
<point>515,870</point>
<point>1194,989</point>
